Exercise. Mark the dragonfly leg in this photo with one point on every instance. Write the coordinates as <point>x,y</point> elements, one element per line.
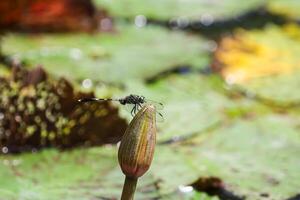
<point>136,107</point>
<point>133,111</point>
<point>139,105</point>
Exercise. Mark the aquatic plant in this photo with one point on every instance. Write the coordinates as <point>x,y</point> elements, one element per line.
<point>37,111</point>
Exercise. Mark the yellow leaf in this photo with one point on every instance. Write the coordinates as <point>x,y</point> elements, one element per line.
<point>254,54</point>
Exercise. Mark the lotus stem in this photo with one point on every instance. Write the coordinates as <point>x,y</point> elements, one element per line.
<point>129,188</point>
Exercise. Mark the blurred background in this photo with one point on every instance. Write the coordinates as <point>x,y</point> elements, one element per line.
<point>227,72</point>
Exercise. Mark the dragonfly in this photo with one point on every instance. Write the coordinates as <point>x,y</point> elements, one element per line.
<point>136,101</point>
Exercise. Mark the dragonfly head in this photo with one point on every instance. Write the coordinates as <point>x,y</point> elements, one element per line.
<point>123,101</point>
<point>141,99</point>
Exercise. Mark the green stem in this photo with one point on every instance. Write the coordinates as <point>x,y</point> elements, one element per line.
<point>129,188</point>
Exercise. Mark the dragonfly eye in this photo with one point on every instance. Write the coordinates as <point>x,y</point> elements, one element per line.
<point>122,102</point>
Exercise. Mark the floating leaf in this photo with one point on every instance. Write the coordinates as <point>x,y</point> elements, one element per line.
<point>195,102</point>
<point>130,53</point>
<point>50,175</point>
<point>97,176</point>
<point>264,62</point>
<point>288,8</point>
<point>37,111</point>
<point>169,9</point>
<point>252,157</point>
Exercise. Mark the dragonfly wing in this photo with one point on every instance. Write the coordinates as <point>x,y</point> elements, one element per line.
<point>159,117</point>
<point>158,105</point>
<point>132,109</point>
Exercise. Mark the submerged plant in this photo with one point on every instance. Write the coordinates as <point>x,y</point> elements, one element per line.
<point>137,148</point>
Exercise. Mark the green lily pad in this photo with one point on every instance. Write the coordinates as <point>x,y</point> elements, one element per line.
<point>252,157</point>
<point>51,174</point>
<point>128,53</point>
<point>79,174</point>
<point>168,9</point>
<point>263,63</point>
<point>192,103</point>
<point>288,8</point>
<point>278,89</point>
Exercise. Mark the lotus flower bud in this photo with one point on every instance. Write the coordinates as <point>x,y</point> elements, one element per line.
<point>138,143</point>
